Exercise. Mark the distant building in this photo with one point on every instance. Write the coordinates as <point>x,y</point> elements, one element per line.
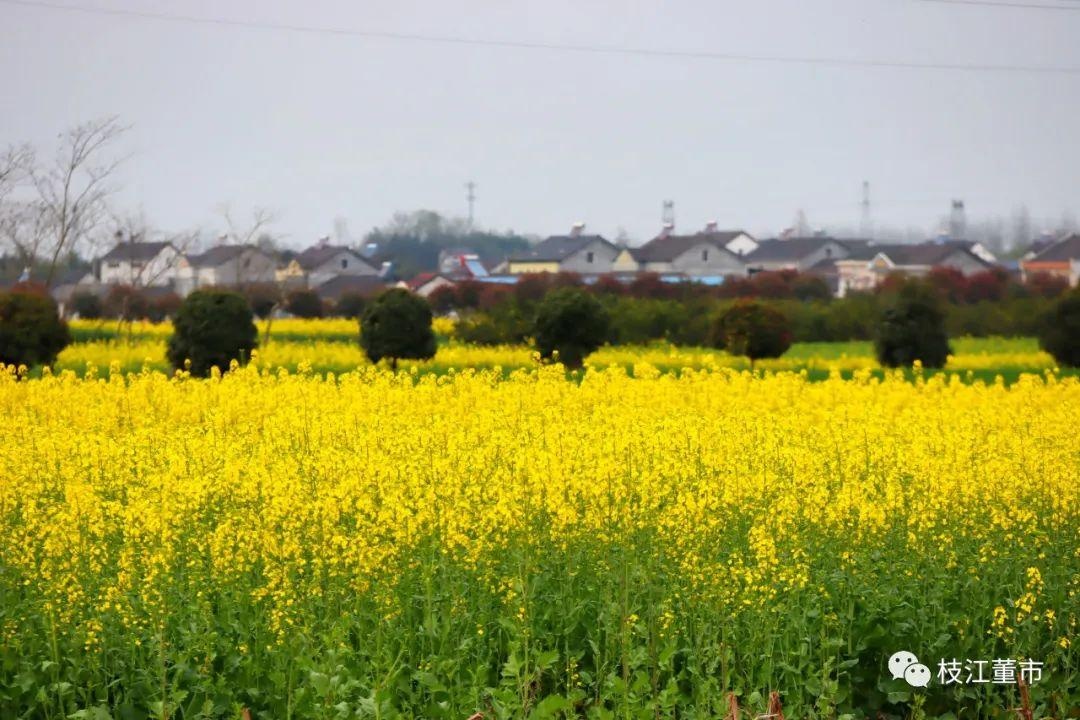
<point>1060,260</point>
<point>866,265</point>
<point>706,254</point>
<point>462,264</point>
<point>143,264</point>
<point>426,283</point>
<point>231,265</point>
<point>322,262</point>
<point>576,252</point>
<point>798,253</point>
<point>71,283</point>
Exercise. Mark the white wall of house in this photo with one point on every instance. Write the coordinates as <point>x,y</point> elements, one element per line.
<point>595,257</point>
<point>964,262</point>
<point>742,244</point>
<point>162,270</point>
<point>250,266</point>
<point>345,262</point>
<point>703,259</point>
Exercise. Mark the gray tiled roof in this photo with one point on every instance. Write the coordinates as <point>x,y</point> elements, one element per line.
<point>1065,249</point>
<point>135,251</point>
<point>316,255</point>
<point>556,248</point>
<point>219,255</point>
<point>666,248</point>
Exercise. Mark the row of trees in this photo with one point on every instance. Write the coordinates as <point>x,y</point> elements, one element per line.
<point>214,327</point>
<point>126,303</point>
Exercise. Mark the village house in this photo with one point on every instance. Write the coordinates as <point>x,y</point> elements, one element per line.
<point>705,256</point>
<point>322,262</point>
<point>426,283</point>
<point>798,253</point>
<point>144,264</point>
<point>231,266</point>
<point>1059,260</point>
<point>576,252</point>
<point>867,265</point>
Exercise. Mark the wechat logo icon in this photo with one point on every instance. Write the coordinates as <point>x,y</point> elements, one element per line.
<point>905,665</point>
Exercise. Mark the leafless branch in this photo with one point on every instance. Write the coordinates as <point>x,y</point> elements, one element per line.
<point>73,190</point>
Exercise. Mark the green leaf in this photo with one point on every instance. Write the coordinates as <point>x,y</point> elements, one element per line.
<point>549,707</point>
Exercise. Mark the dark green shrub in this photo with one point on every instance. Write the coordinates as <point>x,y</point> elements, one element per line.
<point>913,328</point>
<point>31,331</point>
<point>397,325</point>
<point>505,324</point>
<point>304,304</point>
<point>87,306</point>
<point>751,329</point>
<point>211,329</point>
<point>350,305</point>
<point>1061,332</point>
<point>571,322</point>
<point>480,329</point>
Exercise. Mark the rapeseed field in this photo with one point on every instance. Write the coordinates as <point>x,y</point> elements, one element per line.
<point>419,545</point>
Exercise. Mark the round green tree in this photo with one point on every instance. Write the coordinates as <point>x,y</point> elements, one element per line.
<point>912,328</point>
<point>31,331</point>
<point>397,325</point>
<point>752,330</point>
<point>572,323</point>
<point>1061,331</point>
<point>211,329</point>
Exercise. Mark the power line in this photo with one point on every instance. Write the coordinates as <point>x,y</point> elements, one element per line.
<point>559,47</point>
<point>1006,4</point>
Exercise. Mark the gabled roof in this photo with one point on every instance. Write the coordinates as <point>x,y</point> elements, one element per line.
<point>1062,251</point>
<point>316,255</point>
<point>220,255</point>
<point>335,287</point>
<point>557,248</point>
<point>136,251</point>
<point>73,276</point>
<point>792,249</point>
<point>928,253</point>
<point>426,277</point>
<point>665,248</point>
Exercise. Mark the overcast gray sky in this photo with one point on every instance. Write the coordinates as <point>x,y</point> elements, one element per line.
<point>318,125</point>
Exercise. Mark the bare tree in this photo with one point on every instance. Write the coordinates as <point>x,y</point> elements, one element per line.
<point>248,233</point>
<point>135,228</point>
<point>19,218</point>
<point>73,190</point>
<point>255,233</point>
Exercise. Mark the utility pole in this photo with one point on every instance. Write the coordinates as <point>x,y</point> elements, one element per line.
<point>470,197</point>
<point>866,228</point>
